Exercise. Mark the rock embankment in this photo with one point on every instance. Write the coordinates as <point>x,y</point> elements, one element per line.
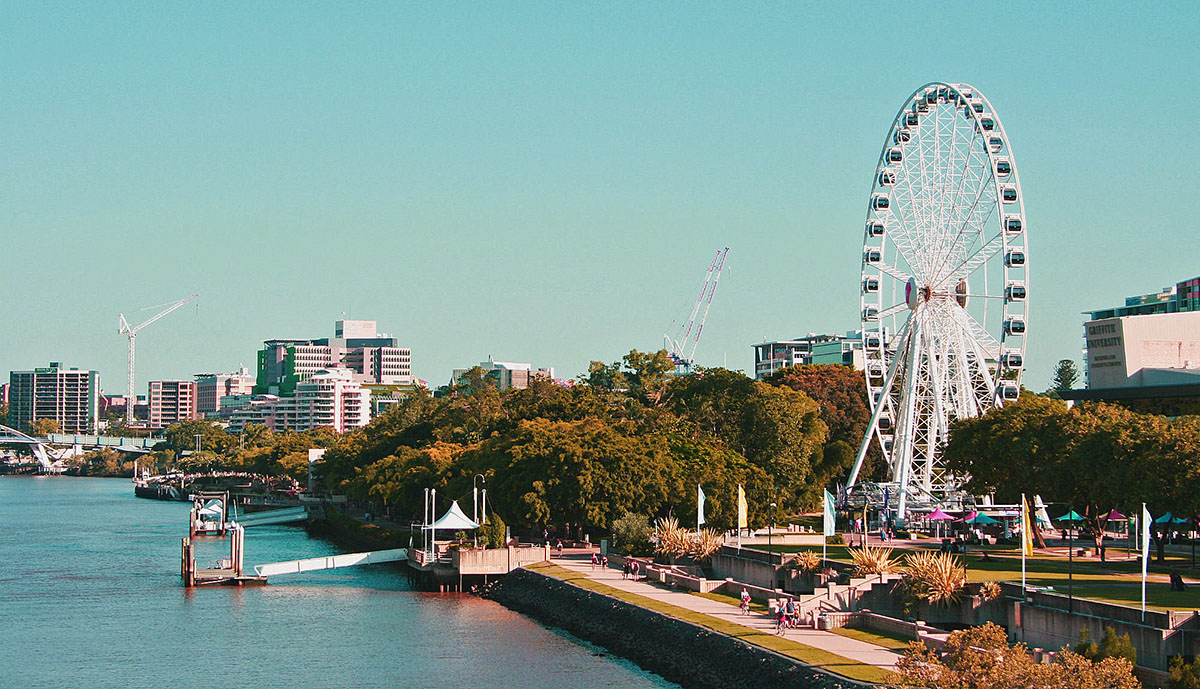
<point>682,652</point>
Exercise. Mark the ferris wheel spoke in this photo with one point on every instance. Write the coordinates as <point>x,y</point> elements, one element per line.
<point>981,256</point>
<point>893,271</point>
<point>893,310</point>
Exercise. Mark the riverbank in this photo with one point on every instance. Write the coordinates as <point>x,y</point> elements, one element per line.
<point>354,536</point>
<point>677,650</point>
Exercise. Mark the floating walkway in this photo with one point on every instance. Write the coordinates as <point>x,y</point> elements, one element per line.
<point>314,564</point>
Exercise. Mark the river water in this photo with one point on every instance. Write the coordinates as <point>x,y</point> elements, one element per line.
<point>90,596</point>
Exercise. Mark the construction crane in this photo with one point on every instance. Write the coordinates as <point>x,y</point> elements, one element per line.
<point>683,353</point>
<point>131,332</point>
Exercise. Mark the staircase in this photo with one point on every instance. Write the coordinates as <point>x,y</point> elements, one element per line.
<point>841,597</point>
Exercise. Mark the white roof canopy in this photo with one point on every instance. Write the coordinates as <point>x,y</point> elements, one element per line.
<point>453,520</point>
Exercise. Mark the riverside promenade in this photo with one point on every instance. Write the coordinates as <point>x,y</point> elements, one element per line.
<point>852,649</point>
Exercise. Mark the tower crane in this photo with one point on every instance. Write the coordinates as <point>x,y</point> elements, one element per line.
<point>681,352</point>
<point>131,331</point>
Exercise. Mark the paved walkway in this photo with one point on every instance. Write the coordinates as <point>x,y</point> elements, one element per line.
<point>846,647</point>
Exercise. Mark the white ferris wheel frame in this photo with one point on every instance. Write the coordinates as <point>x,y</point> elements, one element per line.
<point>932,233</point>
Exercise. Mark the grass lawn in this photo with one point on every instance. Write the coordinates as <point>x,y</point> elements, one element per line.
<point>809,655</point>
<point>892,641</point>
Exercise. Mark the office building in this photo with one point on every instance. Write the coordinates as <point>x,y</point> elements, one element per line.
<point>171,401</point>
<point>211,388</point>
<point>370,357</point>
<point>69,396</point>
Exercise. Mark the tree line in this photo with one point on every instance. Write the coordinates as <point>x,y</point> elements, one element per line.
<point>626,437</point>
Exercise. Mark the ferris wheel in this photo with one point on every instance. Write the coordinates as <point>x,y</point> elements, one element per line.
<point>944,285</point>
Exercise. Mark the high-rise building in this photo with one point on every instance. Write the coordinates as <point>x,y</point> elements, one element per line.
<point>171,401</point>
<point>328,399</point>
<point>212,387</point>
<point>371,357</point>
<point>69,396</point>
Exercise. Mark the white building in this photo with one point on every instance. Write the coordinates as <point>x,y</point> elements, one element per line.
<point>211,388</point>
<point>328,399</point>
<point>1147,350</point>
<point>506,374</point>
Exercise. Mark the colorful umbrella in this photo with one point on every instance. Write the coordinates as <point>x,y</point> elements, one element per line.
<point>1070,517</point>
<point>967,517</point>
<point>1165,519</point>
<point>981,518</point>
<point>1116,516</point>
<point>938,515</point>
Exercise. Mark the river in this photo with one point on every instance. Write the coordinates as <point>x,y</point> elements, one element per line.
<point>90,596</point>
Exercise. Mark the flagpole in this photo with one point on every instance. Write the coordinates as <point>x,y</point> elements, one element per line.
<point>1024,535</point>
<point>1145,555</point>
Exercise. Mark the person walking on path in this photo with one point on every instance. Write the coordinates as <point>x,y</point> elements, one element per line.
<point>560,548</point>
<point>604,561</point>
<point>595,561</point>
<point>625,569</point>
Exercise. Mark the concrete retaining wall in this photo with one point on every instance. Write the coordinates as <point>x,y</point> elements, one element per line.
<point>679,651</point>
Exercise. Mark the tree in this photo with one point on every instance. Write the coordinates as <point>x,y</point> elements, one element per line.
<point>1110,646</point>
<point>44,427</point>
<point>631,534</point>
<point>648,374</point>
<point>1065,376</point>
<point>3,414</point>
<point>1183,675</point>
<point>980,658</point>
<point>491,532</point>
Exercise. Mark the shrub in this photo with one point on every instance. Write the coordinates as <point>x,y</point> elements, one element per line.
<point>804,561</point>
<point>989,590</point>
<point>672,540</point>
<point>869,561</point>
<point>706,543</point>
<point>1110,646</point>
<point>491,532</point>
<point>938,578</point>
<point>1183,675</point>
<point>835,539</point>
<point>631,534</point>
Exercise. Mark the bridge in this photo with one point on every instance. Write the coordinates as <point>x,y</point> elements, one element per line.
<point>41,451</point>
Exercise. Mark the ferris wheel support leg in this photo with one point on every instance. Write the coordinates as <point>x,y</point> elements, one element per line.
<point>883,393</point>
<point>908,421</point>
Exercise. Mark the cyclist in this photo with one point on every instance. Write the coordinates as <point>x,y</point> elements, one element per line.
<point>745,604</point>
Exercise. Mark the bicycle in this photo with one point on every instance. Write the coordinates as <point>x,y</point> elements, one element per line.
<point>744,606</point>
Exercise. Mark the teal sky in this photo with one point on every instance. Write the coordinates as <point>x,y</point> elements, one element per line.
<point>547,182</point>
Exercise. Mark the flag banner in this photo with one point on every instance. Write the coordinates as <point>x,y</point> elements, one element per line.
<point>830,519</point>
<point>1026,530</point>
<point>1146,521</point>
<point>742,521</point>
<point>699,505</point>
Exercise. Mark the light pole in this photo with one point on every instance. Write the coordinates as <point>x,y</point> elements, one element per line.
<point>475,494</point>
<point>772,527</point>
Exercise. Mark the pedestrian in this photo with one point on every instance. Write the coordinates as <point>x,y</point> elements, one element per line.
<point>595,561</point>
<point>625,569</point>
<point>560,547</point>
<point>1102,549</point>
<point>604,561</point>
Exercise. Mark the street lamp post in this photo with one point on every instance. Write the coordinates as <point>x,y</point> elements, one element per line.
<point>772,527</point>
<point>475,493</point>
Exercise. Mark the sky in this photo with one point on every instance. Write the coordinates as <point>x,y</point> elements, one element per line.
<point>547,182</point>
